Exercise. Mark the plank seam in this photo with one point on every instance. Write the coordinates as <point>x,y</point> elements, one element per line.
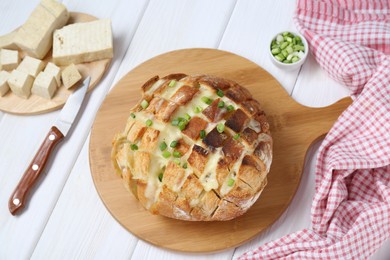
<point>227,24</point>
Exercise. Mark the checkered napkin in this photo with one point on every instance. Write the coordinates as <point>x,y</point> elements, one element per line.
<point>351,208</point>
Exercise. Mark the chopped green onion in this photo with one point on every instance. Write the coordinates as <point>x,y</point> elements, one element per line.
<point>173,144</point>
<point>230,108</point>
<point>221,104</point>
<point>295,59</point>
<point>176,154</point>
<point>236,136</point>
<point>230,182</point>
<point>182,125</point>
<point>163,146</point>
<point>160,176</point>
<point>202,134</point>
<point>172,83</point>
<point>144,104</point>
<point>185,165</point>
<point>175,122</point>
<point>197,109</point>
<point>187,116</point>
<point>220,93</point>
<point>177,161</point>
<point>133,147</point>
<point>132,115</point>
<point>166,154</point>
<point>287,48</point>
<point>207,100</point>
<point>149,122</point>
<point>299,48</point>
<point>275,50</point>
<point>220,127</point>
<point>283,45</point>
<point>285,53</point>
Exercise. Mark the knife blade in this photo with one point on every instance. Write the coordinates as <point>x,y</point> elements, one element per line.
<point>57,133</point>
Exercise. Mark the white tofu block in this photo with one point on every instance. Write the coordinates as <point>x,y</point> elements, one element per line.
<point>9,59</point>
<point>20,83</point>
<point>31,66</point>
<point>70,76</point>
<point>44,85</point>
<point>83,42</point>
<point>4,75</point>
<point>35,36</point>
<point>55,71</point>
<point>7,41</point>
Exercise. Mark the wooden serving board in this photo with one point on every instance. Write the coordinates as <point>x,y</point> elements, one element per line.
<point>11,103</point>
<point>293,127</point>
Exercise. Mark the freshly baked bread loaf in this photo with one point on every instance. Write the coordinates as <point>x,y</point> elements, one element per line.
<point>194,148</point>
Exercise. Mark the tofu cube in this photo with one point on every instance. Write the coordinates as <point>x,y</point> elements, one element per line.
<point>9,59</point>
<point>83,42</point>
<point>7,41</point>
<point>35,35</point>
<point>55,71</point>
<point>31,66</point>
<point>4,75</point>
<point>70,76</point>
<point>44,85</point>
<point>20,83</point>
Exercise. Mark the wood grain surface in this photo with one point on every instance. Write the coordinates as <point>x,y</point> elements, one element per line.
<point>11,103</point>
<point>294,128</point>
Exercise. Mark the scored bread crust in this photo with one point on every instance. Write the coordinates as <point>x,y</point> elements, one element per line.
<point>215,175</point>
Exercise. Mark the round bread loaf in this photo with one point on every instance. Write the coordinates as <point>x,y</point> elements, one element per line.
<point>194,148</point>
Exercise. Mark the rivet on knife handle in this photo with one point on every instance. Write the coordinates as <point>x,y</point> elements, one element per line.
<point>19,196</point>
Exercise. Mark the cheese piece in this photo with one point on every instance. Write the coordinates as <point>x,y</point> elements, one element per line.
<point>9,59</point>
<point>31,66</point>
<point>4,75</point>
<point>55,71</point>
<point>35,36</point>
<point>20,83</point>
<point>7,41</point>
<point>70,76</point>
<point>83,42</point>
<point>44,85</point>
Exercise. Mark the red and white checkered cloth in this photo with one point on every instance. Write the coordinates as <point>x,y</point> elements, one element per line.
<point>350,39</point>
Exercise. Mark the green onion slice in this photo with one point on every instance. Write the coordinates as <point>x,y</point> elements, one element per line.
<point>172,83</point>
<point>149,122</point>
<point>230,182</point>
<point>220,127</point>
<point>166,154</point>
<point>163,146</point>
<point>173,144</point>
<point>144,104</point>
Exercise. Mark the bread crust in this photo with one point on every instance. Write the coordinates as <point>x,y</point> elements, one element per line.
<point>206,154</point>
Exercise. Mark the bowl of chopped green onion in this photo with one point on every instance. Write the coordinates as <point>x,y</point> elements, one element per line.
<point>288,50</point>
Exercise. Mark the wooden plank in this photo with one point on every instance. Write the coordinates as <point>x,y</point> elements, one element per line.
<point>26,229</point>
<point>176,24</point>
<point>251,28</point>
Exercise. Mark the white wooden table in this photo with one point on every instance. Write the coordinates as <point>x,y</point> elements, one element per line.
<point>65,218</point>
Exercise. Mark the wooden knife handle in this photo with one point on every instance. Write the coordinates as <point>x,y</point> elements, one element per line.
<point>18,197</point>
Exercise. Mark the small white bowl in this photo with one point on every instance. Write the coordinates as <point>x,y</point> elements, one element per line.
<point>289,66</point>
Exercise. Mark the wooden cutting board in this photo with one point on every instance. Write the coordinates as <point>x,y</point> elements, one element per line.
<point>294,128</point>
<point>13,104</point>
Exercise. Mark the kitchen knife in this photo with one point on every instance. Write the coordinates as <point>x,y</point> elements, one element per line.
<point>57,132</point>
